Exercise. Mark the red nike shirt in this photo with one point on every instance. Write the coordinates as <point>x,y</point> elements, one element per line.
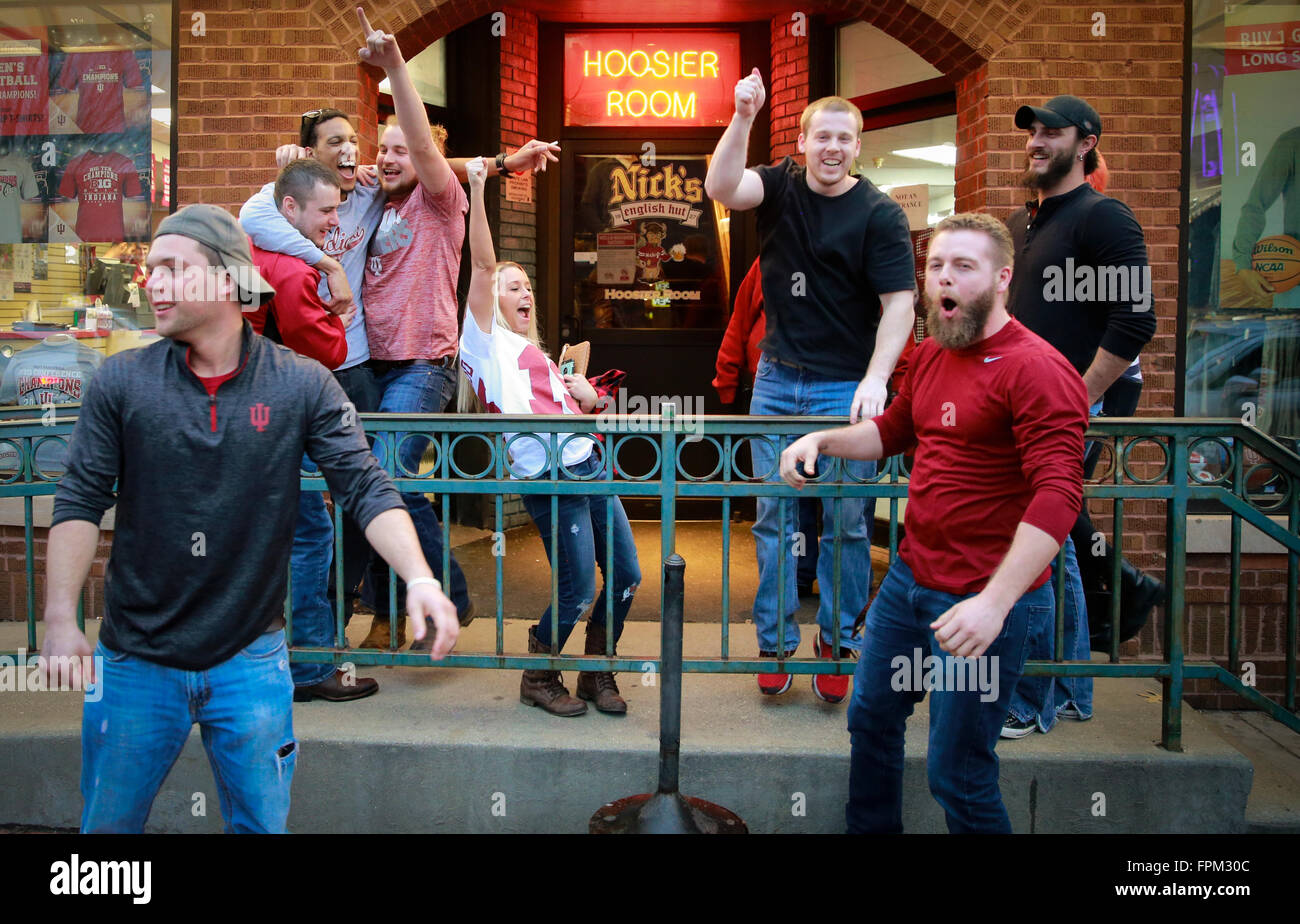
<point>98,182</point>
<point>99,77</point>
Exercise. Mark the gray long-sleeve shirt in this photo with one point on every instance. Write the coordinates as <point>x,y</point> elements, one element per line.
<point>1277,177</point>
<point>358,215</point>
<point>207,491</point>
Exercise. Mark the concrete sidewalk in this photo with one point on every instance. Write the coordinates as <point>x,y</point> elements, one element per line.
<point>453,750</point>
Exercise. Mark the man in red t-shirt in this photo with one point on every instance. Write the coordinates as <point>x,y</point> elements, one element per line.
<point>997,417</point>
<point>99,182</point>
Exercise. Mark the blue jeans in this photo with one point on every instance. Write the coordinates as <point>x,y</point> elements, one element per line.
<point>966,711</point>
<point>1039,699</point>
<point>132,736</point>
<point>582,538</point>
<point>420,387</point>
<point>782,390</point>
<point>309,569</point>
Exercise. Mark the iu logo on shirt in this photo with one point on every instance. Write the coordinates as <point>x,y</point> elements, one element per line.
<point>259,415</point>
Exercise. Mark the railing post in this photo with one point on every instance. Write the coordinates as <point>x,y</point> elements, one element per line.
<point>1171,707</point>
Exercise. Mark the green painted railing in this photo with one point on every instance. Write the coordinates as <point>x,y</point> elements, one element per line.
<point>1142,459</point>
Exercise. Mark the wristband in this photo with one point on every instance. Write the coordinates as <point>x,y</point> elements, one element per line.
<point>502,169</point>
<point>424,580</point>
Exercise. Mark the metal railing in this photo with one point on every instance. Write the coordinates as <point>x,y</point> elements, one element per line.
<point>1149,459</point>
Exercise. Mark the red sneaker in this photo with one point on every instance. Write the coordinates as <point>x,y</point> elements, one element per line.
<point>831,688</point>
<point>776,683</point>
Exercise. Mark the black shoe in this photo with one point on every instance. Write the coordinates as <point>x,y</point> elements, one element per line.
<point>1014,728</point>
<point>336,689</point>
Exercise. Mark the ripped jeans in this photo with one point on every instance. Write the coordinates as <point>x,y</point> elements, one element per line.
<point>581,549</point>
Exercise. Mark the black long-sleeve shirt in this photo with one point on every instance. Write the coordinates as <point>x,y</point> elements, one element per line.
<point>1081,279</point>
<point>207,491</point>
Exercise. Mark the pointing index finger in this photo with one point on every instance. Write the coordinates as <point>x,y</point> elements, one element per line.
<point>366,28</point>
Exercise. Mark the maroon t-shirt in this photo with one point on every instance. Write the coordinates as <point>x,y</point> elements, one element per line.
<point>999,429</point>
<point>98,77</point>
<point>98,182</point>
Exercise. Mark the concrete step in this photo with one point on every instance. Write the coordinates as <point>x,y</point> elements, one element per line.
<point>442,750</point>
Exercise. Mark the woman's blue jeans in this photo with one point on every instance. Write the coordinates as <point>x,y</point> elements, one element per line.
<point>581,548</point>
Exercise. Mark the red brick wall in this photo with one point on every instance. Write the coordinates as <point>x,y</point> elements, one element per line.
<point>517,235</point>
<point>787,91</point>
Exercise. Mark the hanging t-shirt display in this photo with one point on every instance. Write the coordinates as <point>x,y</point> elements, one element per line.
<point>17,182</point>
<point>98,181</point>
<point>24,82</point>
<point>98,77</point>
<point>54,371</point>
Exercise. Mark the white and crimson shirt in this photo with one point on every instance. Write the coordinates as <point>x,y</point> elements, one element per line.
<point>511,376</point>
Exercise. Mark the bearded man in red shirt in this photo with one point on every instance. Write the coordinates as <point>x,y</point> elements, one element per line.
<point>997,418</point>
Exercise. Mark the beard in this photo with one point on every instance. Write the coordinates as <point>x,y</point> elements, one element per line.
<point>1058,167</point>
<point>963,329</point>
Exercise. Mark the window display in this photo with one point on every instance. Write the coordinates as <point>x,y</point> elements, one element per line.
<point>1243,330</point>
<point>86,148</point>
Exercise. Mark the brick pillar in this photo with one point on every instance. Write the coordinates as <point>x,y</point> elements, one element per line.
<point>787,92</point>
<point>516,235</point>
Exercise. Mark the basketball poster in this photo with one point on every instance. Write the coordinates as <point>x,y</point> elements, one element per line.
<point>1260,226</point>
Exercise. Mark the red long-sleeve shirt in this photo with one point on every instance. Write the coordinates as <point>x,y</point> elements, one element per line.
<point>304,324</point>
<point>999,429</point>
<point>738,353</point>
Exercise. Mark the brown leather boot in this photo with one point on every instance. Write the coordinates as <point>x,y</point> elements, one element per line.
<point>546,688</point>
<point>599,686</point>
<point>380,634</point>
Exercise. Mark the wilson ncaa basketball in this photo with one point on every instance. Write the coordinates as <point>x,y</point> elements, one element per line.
<point>1277,259</point>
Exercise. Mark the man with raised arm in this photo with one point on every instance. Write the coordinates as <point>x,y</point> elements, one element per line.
<point>996,417</point>
<point>195,584</point>
<point>838,280</point>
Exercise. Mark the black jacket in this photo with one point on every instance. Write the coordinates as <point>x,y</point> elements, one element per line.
<point>207,491</point>
<point>1081,277</point>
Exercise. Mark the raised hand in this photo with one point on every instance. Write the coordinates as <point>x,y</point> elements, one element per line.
<point>750,95</point>
<point>476,170</point>
<point>286,154</point>
<point>534,156</point>
<point>381,47</point>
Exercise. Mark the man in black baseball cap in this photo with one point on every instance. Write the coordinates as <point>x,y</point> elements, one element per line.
<point>1060,111</point>
<point>1068,237</point>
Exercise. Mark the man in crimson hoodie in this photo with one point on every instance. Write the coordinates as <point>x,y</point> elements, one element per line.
<point>997,417</point>
<point>307,193</point>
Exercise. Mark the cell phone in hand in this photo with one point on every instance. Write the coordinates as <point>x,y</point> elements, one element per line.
<point>567,367</point>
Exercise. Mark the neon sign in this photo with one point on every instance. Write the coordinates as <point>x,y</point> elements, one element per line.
<point>683,78</point>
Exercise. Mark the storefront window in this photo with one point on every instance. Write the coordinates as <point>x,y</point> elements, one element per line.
<point>85,166</point>
<point>650,250</point>
<point>1243,292</point>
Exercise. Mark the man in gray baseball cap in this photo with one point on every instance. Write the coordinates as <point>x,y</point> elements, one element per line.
<point>225,246</point>
<point>199,439</point>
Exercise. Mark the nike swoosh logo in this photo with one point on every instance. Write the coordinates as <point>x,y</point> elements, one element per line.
<point>991,359</point>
